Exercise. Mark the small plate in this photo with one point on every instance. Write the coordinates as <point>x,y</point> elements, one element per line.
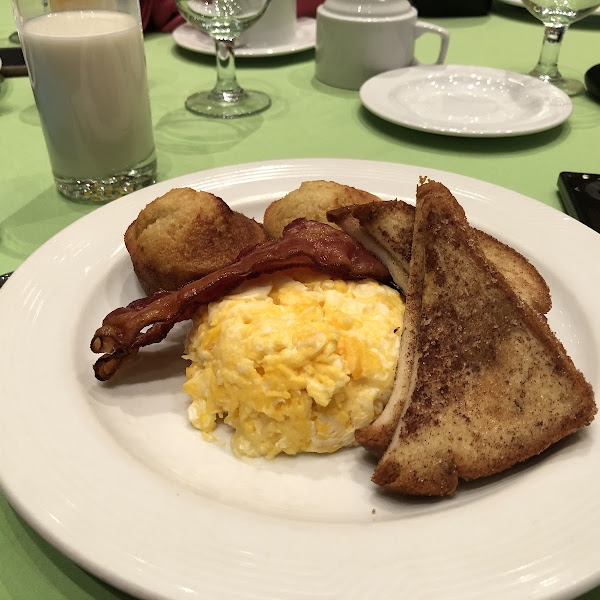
<point>306,33</point>
<point>596,13</point>
<point>465,101</point>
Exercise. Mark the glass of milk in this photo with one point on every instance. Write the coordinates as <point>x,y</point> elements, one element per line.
<point>88,73</point>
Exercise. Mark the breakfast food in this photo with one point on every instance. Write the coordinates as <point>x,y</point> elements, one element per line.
<point>304,244</point>
<point>386,229</point>
<point>311,201</point>
<point>294,362</point>
<point>184,235</point>
<point>483,383</point>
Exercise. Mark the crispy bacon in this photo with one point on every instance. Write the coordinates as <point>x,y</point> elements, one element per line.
<point>304,244</point>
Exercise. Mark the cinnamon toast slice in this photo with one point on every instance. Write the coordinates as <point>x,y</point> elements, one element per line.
<point>489,385</point>
<point>386,228</point>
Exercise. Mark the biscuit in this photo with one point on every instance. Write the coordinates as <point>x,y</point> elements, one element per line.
<point>184,235</point>
<point>312,200</point>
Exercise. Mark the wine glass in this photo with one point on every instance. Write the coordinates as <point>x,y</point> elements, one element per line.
<point>557,15</point>
<point>224,20</point>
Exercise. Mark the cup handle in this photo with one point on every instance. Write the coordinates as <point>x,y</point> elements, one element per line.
<point>422,27</point>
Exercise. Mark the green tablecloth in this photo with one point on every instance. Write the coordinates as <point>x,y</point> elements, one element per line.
<point>307,119</point>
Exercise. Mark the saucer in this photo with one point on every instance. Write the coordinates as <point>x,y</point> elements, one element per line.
<point>196,41</point>
<point>596,13</point>
<point>460,100</point>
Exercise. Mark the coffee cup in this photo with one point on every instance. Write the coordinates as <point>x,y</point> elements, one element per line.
<point>358,39</point>
<point>276,27</point>
<point>87,68</point>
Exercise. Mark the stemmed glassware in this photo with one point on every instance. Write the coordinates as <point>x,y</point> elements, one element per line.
<point>557,15</point>
<point>224,20</point>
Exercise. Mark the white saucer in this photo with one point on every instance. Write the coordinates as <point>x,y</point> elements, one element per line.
<point>196,41</point>
<point>596,13</point>
<point>461,100</point>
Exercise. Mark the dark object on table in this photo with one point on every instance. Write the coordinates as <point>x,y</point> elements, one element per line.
<point>580,195</point>
<point>452,8</point>
<point>13,62</point>
<point>4,278</point>
<point>592,82</point>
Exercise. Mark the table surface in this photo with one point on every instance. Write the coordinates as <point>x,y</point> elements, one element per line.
<point>307,120</point>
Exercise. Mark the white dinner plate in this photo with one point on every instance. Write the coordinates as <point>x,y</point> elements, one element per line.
<point>115,477</point>
<point>520,3</point>
<point>190,38</point>
<point>465,101</point>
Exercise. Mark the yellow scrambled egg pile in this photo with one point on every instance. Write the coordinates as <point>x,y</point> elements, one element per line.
<point>294,364</point>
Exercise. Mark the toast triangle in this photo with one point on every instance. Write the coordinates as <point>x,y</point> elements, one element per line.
<point>386,229</point>
<point>489,385</point>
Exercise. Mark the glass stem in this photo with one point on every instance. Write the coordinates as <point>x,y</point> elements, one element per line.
<point>227,88</point>
<point>547,66</point>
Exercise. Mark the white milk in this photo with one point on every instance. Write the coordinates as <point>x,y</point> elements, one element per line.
<point>88,74</point>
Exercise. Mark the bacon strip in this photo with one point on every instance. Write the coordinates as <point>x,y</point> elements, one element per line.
<point>304,244</point>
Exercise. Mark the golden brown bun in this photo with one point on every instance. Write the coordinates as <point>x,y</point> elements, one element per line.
<point>184,235</point>
<point>312,200</point>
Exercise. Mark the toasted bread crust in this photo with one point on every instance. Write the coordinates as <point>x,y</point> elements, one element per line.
<point>491,384</point>
<point>390,225</point>
<point>523,277</point>
<point>386,229</point>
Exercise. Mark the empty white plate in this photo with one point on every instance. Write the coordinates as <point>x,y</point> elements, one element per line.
<point>464,100</point>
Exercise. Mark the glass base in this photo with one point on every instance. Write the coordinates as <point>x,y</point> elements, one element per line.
<point>249,102</point>
<point>571,87</point>
<point>99,191</point>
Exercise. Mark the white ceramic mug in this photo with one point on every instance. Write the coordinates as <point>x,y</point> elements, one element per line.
<point>358,40</point>
<point>275,28</point>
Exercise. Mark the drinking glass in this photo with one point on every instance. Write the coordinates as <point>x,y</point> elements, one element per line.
<point>223,21</point>
<point>557,15</point>
<point>86,65</point>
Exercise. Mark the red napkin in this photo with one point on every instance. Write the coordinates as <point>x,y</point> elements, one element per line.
<point>160,15</point>
<point>307,8</point>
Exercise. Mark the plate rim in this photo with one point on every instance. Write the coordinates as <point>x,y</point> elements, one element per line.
<point>372,96</point>
<point>304,26</point>
<point>282,169</point>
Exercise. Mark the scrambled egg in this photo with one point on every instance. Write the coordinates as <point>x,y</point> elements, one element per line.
<point>294,364</point>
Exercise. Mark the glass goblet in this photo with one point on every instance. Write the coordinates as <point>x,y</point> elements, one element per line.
<point>224,20</point>
<point>557,15</point>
